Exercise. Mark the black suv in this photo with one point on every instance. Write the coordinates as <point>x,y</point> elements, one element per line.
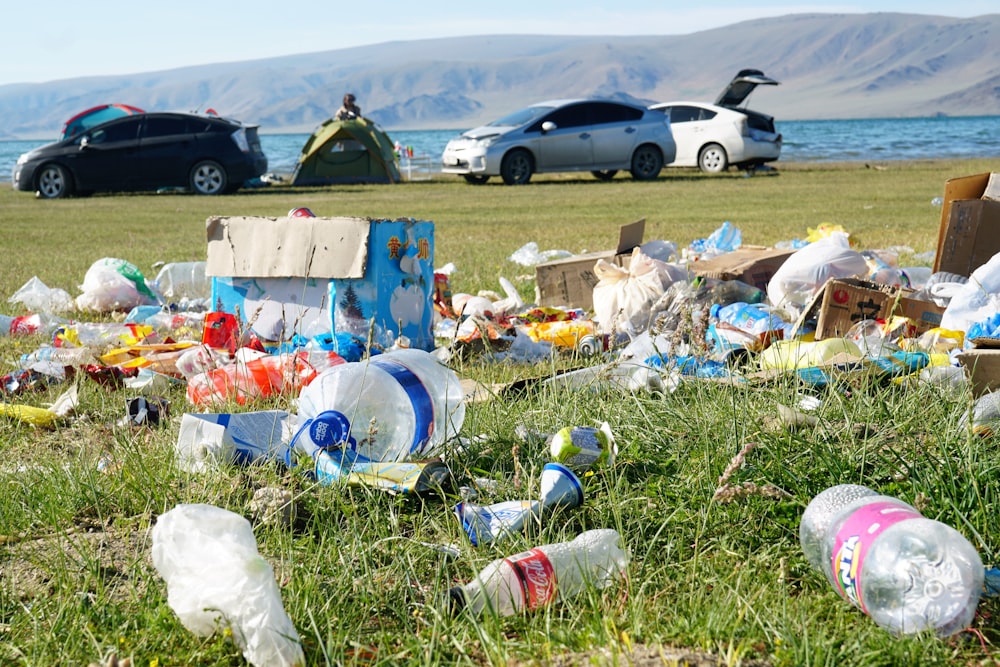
<point>207,154</point>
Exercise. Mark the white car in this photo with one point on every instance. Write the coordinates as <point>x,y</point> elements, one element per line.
<point>599,136</point>
<point>714,137</point>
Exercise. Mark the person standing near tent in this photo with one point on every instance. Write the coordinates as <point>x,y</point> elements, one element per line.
<point>349,110</point>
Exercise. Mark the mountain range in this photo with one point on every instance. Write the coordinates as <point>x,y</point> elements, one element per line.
<point>875,65</point>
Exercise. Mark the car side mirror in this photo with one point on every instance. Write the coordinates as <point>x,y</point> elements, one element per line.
<point>84,142</point>
<point>548,126</point>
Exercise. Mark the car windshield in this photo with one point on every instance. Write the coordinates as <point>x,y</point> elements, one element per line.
<point>521,117</point>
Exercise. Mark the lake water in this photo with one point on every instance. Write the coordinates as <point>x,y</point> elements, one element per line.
<point>804,141</point>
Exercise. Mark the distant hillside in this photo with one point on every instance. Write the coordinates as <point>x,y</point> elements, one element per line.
<point>830,66</point>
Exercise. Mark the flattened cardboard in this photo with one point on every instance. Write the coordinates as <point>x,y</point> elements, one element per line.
<point>843,302</point>
<point>570,281</point>
<point>754,265</point>
<point>969,232</point>
<point>244,247</point>
<point>982,365</point>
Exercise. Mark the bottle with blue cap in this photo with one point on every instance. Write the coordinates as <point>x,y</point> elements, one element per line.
<point>396,406</point>
<point>326,440</point>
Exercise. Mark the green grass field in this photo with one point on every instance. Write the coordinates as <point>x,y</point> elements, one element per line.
<point>709,582</point>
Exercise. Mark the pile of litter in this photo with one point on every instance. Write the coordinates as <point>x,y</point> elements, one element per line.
<point>376,412</point>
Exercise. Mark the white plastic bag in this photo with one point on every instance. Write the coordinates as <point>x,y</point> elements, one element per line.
<point>530,255</point>
<point>807,270</point>
<point>114,284</point>
<point>976,300</point>
<point>38,297</point>
<point>217,579</point>
<point>623,298</point>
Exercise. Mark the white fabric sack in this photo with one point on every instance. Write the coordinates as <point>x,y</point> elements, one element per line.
<point>217,579</point>
<point>623,298</point>
<point>796,281</point>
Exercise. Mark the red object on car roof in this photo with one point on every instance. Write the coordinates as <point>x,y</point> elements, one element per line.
<point>96,115</point>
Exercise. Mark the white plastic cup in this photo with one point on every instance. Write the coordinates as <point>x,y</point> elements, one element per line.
<point>560,487</point>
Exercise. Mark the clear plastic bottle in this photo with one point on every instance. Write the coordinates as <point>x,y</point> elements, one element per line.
<point>907,572</point>
<point>59,356</point>
<point>533,579</point>
<point>399,404</point>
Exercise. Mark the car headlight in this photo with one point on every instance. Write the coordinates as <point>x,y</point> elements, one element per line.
<point>23,158</point>
<point>488,140</point>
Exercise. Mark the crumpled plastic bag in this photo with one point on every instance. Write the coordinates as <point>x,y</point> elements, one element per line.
<point>796,281</point>
<point>38,297</point>
<point>114,284</point>
<point>975,301</point>
<point>216,579</point>
<point>623,298</point>
<point>726,238</point>
<point>530,255</point>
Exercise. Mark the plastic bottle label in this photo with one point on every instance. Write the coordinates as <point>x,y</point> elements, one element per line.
<point>423,407</point>
<point>856,536</point>
<point>537,577</point>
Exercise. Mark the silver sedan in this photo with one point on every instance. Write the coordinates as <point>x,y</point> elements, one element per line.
<point>599,136</point>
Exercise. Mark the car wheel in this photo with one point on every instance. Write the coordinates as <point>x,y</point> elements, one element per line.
<point>54,182</point>
<point>475,179</point>
<point>516,167</point>
<point>209,178</point>
<point>604,174</point>
<point>713,159</point>
<point>647,161</point>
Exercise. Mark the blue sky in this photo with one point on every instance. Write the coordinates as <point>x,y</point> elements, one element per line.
<point>63,39</point>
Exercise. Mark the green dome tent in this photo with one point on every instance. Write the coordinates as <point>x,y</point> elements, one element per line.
<point>346,151</point>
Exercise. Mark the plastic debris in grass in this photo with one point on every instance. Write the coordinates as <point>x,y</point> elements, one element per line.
<point>560,489</point>
<point>217,580</point>
<point>61,408</point>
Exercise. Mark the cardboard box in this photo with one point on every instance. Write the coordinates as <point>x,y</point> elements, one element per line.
<point>312,276</point>
<point>754,265</point>
<point>570,281</point>
<point>969,234</point>
<point>982,365</point>
<point>843,302</point>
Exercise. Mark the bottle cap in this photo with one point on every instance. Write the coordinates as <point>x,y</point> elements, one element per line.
<point>328,429</point>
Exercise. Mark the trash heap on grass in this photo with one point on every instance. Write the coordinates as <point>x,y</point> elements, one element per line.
<point>342,374</point>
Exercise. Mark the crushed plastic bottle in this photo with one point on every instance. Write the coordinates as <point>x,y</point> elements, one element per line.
<point>536,578</point>
<point>908,573</point>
